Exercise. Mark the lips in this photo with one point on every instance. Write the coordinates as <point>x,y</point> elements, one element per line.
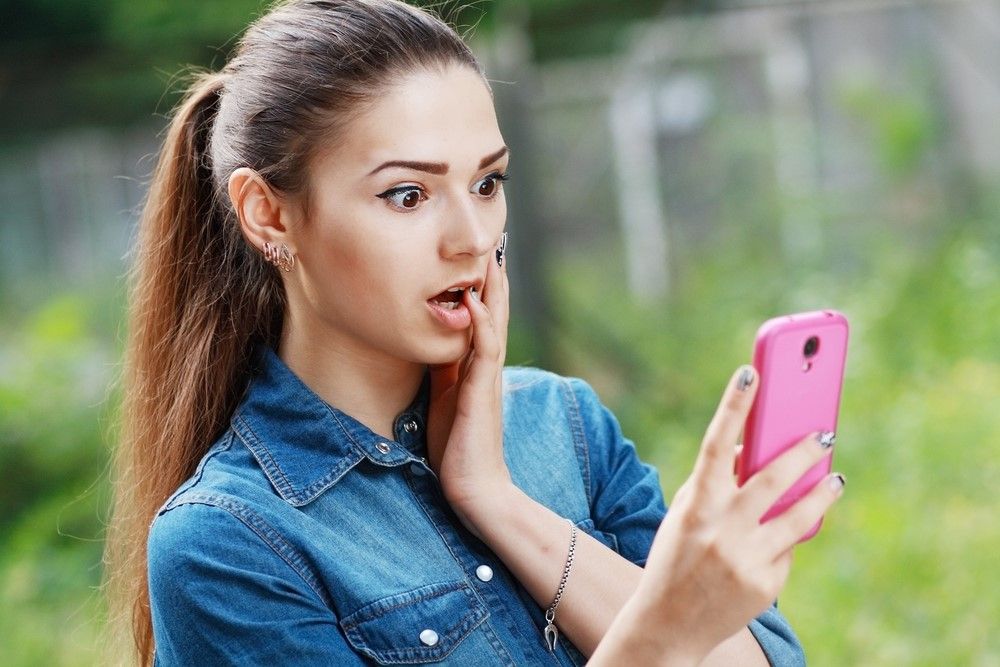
<point>450,298</point>
<point>448,305</point>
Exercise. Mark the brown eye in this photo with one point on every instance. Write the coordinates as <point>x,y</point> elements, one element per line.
<point>487,187</point>
<point>410,199</point>
<point>404,198</point>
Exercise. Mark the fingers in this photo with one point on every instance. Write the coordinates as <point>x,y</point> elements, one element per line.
<point>483,330</point>
<point>715,458</point>
<point>490,314</point>
<point>486,358</point>
<point>496,296</point>
<point>788,528</point>
<point>763,489</point>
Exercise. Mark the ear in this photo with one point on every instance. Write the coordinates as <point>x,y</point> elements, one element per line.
<point>263,214</point>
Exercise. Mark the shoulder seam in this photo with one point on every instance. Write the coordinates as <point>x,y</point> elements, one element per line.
<point>199,472</point>
<point>575,419</point>
<point>267,533</point>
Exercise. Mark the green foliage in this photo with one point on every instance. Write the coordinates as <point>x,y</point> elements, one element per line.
<point>902,128</point>
<point>901,572</point>
<point>79,63</point>
<point>56,363</point>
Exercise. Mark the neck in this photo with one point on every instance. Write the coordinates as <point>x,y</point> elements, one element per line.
<point>371,389</point>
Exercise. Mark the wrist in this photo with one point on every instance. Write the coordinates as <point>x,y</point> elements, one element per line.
<point>481,507</point>
<point>641,634</point>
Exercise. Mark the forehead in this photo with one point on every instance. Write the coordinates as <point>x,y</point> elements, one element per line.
<point>440,115</point>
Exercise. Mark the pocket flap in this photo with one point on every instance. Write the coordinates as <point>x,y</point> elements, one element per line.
<point>389,630</point>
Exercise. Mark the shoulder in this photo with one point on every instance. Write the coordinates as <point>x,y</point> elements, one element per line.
<point>535,394</point>
<point>226,503</point>
<point>201,539</point>
<point>194,524</point>
<point>186,526</point>
<point>524,384</point>
<point>188,543</point>
<point>227,477</point>
<point>545,412</point>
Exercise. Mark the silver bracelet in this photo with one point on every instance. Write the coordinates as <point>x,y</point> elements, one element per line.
<point>551,632</point>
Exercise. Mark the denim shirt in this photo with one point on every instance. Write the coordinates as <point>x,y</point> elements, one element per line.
<point>305,538</point>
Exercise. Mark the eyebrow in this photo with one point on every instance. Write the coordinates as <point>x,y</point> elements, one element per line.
<point>437,168</point>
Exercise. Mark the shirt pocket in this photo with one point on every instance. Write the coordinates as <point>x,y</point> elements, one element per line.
<point>423,625</point>
<point>609,540</point>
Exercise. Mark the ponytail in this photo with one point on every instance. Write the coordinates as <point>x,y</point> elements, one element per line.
<point>200,299</point>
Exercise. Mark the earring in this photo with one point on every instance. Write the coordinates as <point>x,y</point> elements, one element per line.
<point>281,258</point>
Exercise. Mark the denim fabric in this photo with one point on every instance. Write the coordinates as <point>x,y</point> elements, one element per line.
<point>305,538</point>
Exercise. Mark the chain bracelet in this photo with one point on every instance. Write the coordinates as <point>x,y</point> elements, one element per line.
<point>551,632</point>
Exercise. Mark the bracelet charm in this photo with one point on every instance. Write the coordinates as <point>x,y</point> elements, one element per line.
<point>551,632</point>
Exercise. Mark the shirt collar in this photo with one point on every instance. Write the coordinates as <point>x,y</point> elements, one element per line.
<point>304,444</point>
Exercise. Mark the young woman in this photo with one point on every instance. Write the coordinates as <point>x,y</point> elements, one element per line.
<point>324,460</point>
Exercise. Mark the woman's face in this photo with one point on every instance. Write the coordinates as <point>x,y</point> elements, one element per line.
<point>408,205</point>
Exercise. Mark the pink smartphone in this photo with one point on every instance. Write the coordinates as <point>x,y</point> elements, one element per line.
<point>800,364</point>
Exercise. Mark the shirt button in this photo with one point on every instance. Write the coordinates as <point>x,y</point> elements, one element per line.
<point>429,637</point>
<point>410,426</point>
<point>383,447</point>
<point>484,572</point>
<point>417,469</point>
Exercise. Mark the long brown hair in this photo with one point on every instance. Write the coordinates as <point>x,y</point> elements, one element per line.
<point>201,297</point>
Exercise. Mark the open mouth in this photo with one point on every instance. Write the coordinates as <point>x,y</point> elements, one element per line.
<point>450,298</point>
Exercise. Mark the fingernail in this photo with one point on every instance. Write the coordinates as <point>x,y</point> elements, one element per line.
<point>474,293</point>
<point>836,481</point>
<point>745,379</point>
<point>826,439</point>
<point>502,249</point>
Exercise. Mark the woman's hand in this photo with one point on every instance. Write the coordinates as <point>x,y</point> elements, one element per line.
<point>713,566</point>
<point>465,427</point>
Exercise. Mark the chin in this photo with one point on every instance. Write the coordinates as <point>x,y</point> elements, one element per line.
<point>445,352</point>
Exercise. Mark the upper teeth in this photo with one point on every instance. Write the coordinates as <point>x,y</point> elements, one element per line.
<point>456,289</point>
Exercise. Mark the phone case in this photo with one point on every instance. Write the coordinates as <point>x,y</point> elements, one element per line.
<point>800,364</point>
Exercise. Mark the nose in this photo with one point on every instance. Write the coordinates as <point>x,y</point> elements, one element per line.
<point>469,231</point>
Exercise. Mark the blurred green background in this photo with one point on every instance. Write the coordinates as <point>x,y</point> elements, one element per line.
<point>681,172</point>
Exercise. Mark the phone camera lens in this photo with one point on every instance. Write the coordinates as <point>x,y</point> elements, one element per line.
<point>811,347</point>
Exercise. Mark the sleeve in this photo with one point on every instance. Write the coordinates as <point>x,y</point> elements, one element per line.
<point>777,639</point>
<point>625,495</point>
<point>221,595</point>
<point>626,501</point>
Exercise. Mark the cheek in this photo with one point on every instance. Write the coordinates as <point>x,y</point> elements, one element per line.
<point>333,263</point>
<point>370,268</point>
<point>498,214</point>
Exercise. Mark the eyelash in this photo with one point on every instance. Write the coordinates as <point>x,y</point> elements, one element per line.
<point>499,177</point>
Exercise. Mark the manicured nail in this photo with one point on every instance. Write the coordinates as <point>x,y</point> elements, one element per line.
<point>826,439</point>
<point>745,379</point>
<point>502,249</point>
<point>836,481</point>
